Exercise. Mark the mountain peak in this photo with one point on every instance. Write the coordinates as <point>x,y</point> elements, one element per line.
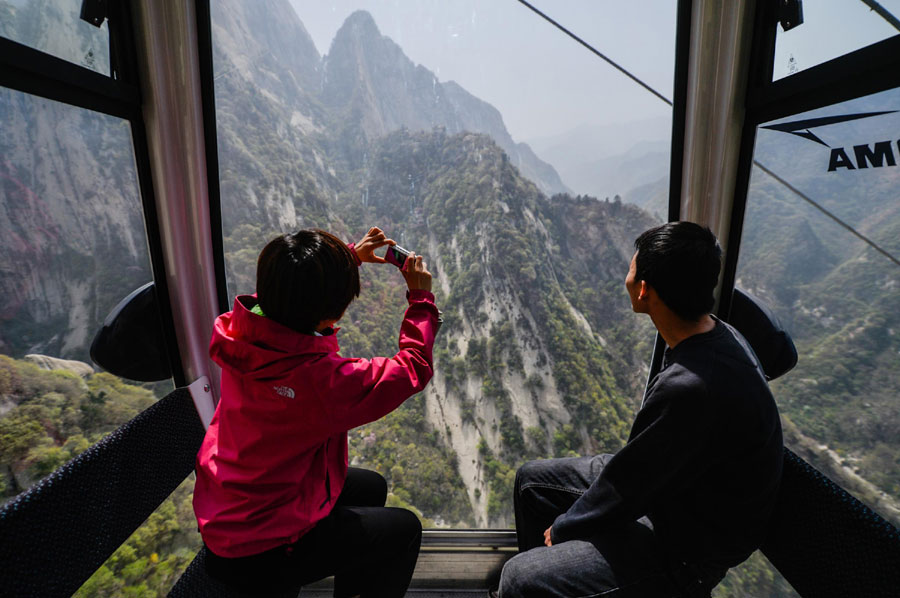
<point>359,42</point>
<point>361,18</point>
<point>359,25</point>
<point>379,89</point>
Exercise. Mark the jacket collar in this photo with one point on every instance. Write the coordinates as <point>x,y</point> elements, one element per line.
<point>255,329</point>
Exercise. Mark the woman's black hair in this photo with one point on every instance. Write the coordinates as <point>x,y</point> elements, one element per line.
<point>681,261</point>
<point>305,277</point>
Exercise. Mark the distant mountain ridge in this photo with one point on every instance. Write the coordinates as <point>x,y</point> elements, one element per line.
<point>609,160</point>
<point>369,85</point>
<point>369,78</point>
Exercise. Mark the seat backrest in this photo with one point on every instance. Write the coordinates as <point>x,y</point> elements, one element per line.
<point>56,534</point>
<point>770,341</point>
<point>825,542</point>
<point>821,539</point>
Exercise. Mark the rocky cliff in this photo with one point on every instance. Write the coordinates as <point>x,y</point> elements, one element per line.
<point>522,364</point>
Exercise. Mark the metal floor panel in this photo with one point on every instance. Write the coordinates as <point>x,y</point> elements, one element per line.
<point>452,563</point>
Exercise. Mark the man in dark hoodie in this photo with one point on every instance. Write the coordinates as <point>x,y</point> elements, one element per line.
<point>691,492</point>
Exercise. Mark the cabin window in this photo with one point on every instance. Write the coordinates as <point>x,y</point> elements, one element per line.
<point>521,165</point>
<point>73,245</point>
<point>834,281</point>
<point>56,28</point>
<point>832,29</point>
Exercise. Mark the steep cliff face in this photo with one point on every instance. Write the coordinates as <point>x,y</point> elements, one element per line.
<point>521,364</point>
<point>377,89</point>
<point>265,42</point>
<point>71,230</point>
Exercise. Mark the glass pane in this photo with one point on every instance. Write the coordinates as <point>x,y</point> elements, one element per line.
<point>831,29</point>
<point>150,562</point>
<point>54,27</point>
<point>73,245</point>
<point>480,136</point>
<point>837,294</point>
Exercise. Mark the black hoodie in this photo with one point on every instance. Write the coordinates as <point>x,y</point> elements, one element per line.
<point>703,460</point>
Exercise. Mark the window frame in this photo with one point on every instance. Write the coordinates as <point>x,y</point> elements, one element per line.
<point>863,72</point>
<point>118,94</point>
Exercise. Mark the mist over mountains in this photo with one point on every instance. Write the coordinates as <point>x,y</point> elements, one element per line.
<point>608,160</point>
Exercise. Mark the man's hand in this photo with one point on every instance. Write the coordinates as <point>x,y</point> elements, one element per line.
<point>416,273</point>
<point>374,239</point>
<point>547,540</point>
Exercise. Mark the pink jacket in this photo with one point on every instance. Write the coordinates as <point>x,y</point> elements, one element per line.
<point>274,458</point>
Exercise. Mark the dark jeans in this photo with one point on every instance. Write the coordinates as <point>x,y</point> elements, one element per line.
<point>369,548</point>
<point>625,561</point>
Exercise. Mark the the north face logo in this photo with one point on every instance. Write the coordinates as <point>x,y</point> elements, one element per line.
<point>285,391</point>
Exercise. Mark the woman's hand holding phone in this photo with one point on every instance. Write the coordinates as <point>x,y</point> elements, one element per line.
<point>414,269</point>
<point>374,239</point>
<point>416,273</point>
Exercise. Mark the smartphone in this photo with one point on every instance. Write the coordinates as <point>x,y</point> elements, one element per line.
<point>396,255</point>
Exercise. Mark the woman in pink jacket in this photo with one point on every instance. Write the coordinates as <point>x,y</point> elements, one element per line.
<point>276,504</point>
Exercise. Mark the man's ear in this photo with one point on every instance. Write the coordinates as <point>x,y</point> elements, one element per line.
<point>644,291</point>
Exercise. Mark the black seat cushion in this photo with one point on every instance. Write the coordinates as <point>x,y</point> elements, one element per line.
<point>826,543</point>
<point>56,534</point>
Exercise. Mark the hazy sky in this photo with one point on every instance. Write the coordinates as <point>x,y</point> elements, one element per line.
<point>543,82</point>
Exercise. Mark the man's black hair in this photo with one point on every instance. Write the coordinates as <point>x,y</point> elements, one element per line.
<point>305,277</point>
<point>681,261</point>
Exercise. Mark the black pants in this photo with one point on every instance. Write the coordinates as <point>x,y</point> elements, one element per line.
<point>623,561</point>
<point>369,548</point>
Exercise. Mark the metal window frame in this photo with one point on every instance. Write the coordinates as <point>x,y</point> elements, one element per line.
<point>865,71</point>
<point>166,40</point>
<point>872,69</point>
<point>208,93</point>
<point>36,73</point>
<point>30,71</point>
<point>676,155</point>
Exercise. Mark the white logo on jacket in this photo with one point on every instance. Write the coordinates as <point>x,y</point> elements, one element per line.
<point>285,391</point>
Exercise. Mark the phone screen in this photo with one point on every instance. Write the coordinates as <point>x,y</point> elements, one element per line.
<point>396,255</point>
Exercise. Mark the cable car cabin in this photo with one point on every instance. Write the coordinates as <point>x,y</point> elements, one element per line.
<point>150,149</point>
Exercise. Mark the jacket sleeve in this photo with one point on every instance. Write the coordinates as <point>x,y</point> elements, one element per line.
<point>667,451</point>
<point>359,391</point>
